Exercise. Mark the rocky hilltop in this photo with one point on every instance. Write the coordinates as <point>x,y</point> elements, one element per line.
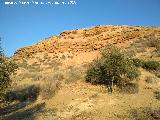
<point>87,39</point>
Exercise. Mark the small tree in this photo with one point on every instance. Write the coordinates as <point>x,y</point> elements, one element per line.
<point>7,67</point>
<point>114,66</point>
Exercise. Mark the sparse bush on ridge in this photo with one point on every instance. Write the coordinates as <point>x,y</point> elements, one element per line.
<point>114,66</point>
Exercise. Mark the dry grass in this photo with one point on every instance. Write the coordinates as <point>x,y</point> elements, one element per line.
<point>49,87</point>
<point>147,42</point>
<point>146,113</point>
<point>74,73</point>
<point>35,76</point>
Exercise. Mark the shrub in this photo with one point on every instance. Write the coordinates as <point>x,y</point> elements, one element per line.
<point>74,73</point>
<point>7,68</point>
<point>151,65</point>
<point>137,62</point>
<point>50,86</point>
<point>49,89</point>
<point>95,72</point>
<point>114,66</point>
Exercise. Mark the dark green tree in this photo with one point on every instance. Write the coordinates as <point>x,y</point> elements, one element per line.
<point>113,67</point>
<point>7,68</point>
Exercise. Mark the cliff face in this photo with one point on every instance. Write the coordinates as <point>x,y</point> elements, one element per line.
<point>87,39</point>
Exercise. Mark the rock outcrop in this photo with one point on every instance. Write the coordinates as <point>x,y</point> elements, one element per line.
<point>87,39</point>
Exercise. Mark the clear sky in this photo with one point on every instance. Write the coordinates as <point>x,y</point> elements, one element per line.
<point>22,25</point>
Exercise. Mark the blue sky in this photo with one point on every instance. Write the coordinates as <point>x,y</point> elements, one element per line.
<point>22,25</point>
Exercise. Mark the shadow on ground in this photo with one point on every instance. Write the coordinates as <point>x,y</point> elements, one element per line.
<point>20,104</point>
<point>145,113</point>
<point>18,112</point>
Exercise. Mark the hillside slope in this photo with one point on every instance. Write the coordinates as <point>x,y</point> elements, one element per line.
<point>57,66</point>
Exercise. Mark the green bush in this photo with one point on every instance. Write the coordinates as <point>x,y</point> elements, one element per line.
<point>7,68</point>
<point>138,62</point>
<point>114,66</point>
<point>95,72</point>
<point>151,65</point>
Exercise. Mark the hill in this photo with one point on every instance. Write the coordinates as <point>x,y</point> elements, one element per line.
<point>56,68</point>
